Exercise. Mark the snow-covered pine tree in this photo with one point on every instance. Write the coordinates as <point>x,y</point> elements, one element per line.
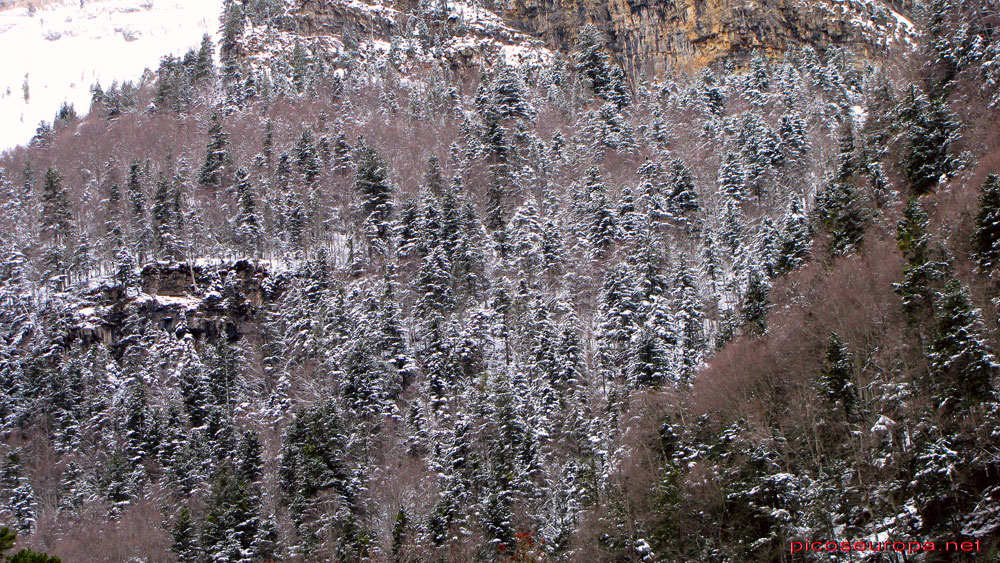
<point>374,190</point>
<point>247,223</point>
<point>837,377</point>
<point>961,359</point>
<point>217,156</point>
<point>756,302</point>
<point>923,269</point>
<point>986,237</point>
<point>57,229</point>
<point>796,240</point>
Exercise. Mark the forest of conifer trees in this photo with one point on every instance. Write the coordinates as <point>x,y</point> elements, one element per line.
<point>369,306</point>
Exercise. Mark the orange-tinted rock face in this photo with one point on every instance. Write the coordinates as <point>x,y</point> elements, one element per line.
<point>652,35</point>
<point>647,36</point>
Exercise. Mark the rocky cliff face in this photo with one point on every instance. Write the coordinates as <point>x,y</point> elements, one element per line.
<point>209,303</point>
<point>645,35</point>
<point>651,35</point>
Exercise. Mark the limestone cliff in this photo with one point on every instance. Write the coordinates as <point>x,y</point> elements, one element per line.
<point>650,35</point>
<point>207,302</point>
<point>644,35</point>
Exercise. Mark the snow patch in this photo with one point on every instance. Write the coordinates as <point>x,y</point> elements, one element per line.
<point>57,53</point>
<point>186,302</point>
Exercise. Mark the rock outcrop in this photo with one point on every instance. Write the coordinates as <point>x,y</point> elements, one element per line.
<point>207,302</point>
<point>645,36</point>
<point>653,35</point>
<point>466,35</point>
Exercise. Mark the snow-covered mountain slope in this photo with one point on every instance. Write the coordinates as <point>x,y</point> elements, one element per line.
<point>460,33</point>
<point>56,53</point>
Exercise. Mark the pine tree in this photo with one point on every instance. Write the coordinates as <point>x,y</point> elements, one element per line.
<point>375,191</point>
<point>959,355</point>
<point>248,221</point>
<point>837,375</point>
<point>603,230</point>
<point>7,539</point>
<point>57,226</point>
<point>184,538</point>
<point>842,210</point>
<point>922,269</point>
<point>796,239</point>
<point>756,302</point>
<point>986,237</point>
<point>929,130</point>
<point>217,156</point>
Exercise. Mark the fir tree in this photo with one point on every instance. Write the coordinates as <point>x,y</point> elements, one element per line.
<point>930,131</point>
<point>842,209</point>
<point>690,318</point>
<point>184,538</point>
<point>307,157</point>
<point>796,239</point>
<point>57,225</point>
<point>836,379</point>
<point>986,237</point>
<point>591,60</point>
<point>217,156</point>
<point>603,230</point>
<point>164,220</point>
<point>233,526</point>
<point>20,495</point>
<point>372,185</point>
<point>732,181</point>
<point>653,202</point>
<point>508,97</point>
<point>756,302</point>
<point>205,67</point>
<point>959,355</point>
<point>248,221</point>
<point>649,361</point>
<point>681,195</point>
<point>922,269</point>
<point>313,459</point>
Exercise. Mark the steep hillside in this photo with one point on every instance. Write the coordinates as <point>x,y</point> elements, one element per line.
<point>402,283</point>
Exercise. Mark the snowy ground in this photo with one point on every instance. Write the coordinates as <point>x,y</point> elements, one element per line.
<point>60,50</point>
